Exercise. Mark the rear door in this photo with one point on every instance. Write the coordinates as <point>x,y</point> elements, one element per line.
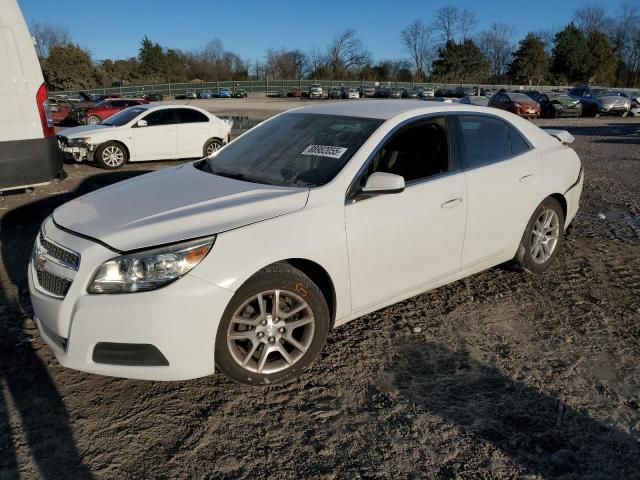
<point>158,140</point>
<point>194,129</point>
<point>502,173</point>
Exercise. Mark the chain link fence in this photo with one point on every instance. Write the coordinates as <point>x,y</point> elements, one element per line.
<point>276,87</point>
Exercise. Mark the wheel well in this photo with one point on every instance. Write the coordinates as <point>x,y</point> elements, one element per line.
<point>321,278</point>
<point>562,201</point>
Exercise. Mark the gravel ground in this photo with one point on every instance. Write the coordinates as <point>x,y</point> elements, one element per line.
<point>500,375</point>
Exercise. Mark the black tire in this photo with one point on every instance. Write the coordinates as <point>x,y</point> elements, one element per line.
<point>290,281</point>
<point>94,120</point>
<point>524,259</point>
<point>117,161</point>
<point>216,143</point>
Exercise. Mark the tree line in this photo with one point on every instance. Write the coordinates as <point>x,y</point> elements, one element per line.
<point>594,48</point>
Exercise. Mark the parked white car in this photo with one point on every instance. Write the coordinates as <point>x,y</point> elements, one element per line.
<point>244,261</point>
<point>146,132</point>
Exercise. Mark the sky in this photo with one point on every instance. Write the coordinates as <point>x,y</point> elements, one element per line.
<point>114,29</point>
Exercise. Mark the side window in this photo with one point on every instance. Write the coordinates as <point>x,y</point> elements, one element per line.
<point>188,115</point>
<point>485,140</point>
<point>518,143</point>
<point>160,117</point>
<point>416,152</point>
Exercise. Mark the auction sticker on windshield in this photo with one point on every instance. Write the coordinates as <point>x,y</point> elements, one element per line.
<point>324,151</point>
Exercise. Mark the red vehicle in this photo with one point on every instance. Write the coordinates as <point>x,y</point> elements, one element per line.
<point>104,109</point>
<point>517,103</point>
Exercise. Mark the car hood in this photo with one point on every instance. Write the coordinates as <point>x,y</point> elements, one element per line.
<point>174,204</point>
<point>83,130</point>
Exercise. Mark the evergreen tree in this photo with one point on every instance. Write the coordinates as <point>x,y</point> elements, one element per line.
<point>68,67</point>
<point>571,57</point>
<point>530,63</point>
<point>153,64</point>
<point>603,61</point>
<point>461,63</point>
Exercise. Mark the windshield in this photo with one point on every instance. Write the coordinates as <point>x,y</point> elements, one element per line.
<point>293,150</point>
<point>520,97</point>
<point>604,92</point>
<point>124,117</point>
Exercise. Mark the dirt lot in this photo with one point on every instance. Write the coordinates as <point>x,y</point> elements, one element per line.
<point>501,375</point>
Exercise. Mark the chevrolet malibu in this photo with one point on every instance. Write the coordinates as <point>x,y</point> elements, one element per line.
<point>245,260</point>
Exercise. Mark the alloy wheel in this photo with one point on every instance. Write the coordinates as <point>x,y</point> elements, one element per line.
<point>271,331</point>
<point>113,156</point>
<point>544,236</point>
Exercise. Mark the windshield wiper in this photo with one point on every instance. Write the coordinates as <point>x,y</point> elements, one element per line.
<point>239,176</point>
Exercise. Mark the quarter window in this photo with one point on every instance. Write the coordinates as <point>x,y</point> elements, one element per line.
<point>518,143</point>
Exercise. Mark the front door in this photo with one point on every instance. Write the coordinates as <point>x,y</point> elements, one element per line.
<point>158,140</point>
<point>399,242</point>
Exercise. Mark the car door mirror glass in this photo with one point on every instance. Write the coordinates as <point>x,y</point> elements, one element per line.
<point>141,123</point>
<point>383,182</point>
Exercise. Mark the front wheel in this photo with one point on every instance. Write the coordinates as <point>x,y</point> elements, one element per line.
<point>542,238</point>
<point>111,155</point>
<point>273,328</point>
<point>94,120</point>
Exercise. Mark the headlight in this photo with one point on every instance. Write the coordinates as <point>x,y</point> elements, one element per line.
<point>78,141</point>
<point>150,269</point>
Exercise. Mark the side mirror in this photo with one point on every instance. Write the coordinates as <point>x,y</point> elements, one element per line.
<point>382,182</point>
<point>141,123</point>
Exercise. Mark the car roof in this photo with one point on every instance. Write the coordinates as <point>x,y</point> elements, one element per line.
<point>369,108</point>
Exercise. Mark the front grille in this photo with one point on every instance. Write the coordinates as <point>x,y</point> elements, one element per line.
<point>52,283</point>
<point>65,256</point>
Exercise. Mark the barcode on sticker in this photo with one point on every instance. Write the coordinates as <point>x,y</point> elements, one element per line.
<point>324,151</point>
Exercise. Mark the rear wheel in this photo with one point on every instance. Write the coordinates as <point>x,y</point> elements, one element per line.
<point>94,120</point>
<point>273,328</point>
<point>542,238</point>
<point>111,155</point>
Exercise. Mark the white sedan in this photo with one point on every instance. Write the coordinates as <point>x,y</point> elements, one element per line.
<point>244,261</point>
<point>146,132</point>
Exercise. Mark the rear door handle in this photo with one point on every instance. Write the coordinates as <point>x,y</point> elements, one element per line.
<point>527,178</point>
<point>452,203</point>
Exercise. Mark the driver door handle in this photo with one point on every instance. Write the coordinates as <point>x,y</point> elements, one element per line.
<point>527,178</point>
<point>452,203</point>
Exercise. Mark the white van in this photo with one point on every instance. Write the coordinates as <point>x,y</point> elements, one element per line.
<point>29,153</point>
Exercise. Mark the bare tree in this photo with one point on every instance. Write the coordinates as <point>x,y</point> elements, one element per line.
<point>285,64</point>
<point>48,36</point>
<point>346,53</point>
<point>445,21</point>
<point>416,39</point>
<point>590,18</point>
<point>466,24</point>
<point>496,43</point>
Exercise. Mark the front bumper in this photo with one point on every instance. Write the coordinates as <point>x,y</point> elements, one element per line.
<point>179,320</point>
